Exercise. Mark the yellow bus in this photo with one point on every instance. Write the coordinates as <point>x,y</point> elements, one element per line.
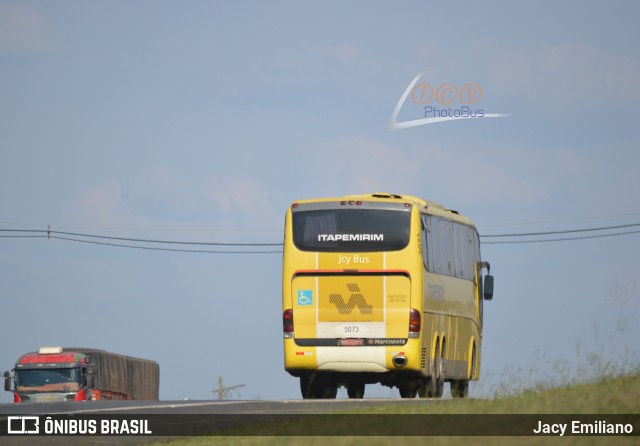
<point>382,288</point>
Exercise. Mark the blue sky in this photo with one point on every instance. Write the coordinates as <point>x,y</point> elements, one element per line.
<point>202,121</point>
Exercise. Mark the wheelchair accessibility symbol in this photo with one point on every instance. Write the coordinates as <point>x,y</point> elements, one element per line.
<point>305,297</point>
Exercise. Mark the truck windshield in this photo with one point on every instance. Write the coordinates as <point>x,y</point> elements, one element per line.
<point>351,230</point>
<point>49,380</point>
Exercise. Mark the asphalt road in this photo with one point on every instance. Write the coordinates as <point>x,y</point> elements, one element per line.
<point>204,406</point>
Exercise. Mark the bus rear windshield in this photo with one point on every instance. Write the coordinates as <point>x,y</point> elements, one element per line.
<point>351,230</point>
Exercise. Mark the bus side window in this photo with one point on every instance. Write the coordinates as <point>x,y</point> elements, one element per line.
<point>451,248</point>
<point>425,245</point>
<point>460,246</point>
<point>466,250</point>
<point>476,246</point>
<point>440,246</point>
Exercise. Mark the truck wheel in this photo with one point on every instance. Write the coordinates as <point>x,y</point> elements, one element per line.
<point>355,390</point>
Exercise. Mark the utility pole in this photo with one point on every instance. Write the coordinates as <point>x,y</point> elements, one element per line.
<point>222,391</point>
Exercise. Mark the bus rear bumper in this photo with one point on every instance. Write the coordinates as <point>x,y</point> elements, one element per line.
<point>356,359</point>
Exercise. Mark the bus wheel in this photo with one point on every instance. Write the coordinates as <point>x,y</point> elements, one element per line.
<point>312,389</point>
<point>306,387</point>
<point>408,390</point>
<point>435,384</point>
<point>459,388</point>
<point>439,388</point>
<point>355,390</point>
<point>422,388</point>
<point>432,388</point>
<point>327,392</point>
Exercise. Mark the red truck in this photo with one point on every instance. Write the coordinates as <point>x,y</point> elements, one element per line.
<point>80,374</point>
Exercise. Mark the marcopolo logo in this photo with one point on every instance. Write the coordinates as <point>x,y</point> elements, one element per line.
<point>441,102</point>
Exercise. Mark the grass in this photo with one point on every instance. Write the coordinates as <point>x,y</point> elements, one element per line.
<point>595,382</point>
<point>606,395</point>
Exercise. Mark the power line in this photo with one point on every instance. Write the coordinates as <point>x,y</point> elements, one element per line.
<point>569,231</point>
<point>72,237</point>
<point>49,234</point>
<point>561,220</point>
<point>505,242</point>
<point>152,248</point>
<point>164,241</point>
<point>124,239</point>
<point>23,236</point>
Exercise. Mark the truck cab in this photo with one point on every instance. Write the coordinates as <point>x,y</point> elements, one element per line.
<point>50,375</point>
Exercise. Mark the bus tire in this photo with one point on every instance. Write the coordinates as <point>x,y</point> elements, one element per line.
<point>435,384</point>
<point>408,390</point>
<point>327,391</point>
<point>355,390</point>
<point>306,387</point>
<point>312,388</point>
<point>435,387</point>
<point>422,388</point>
<point>459,388</point>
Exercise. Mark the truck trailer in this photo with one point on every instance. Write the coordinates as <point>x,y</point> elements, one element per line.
<point>81,374</point>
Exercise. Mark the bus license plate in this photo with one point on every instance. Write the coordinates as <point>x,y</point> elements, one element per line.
<point>351,342</point>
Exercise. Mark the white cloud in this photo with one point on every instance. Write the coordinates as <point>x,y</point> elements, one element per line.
<point>162,199</point>
<point>475,175</point>
<point>575,178</point>
<point>357,165</point>
<point>229,194</point>
<point>25,30</point>
<point>514,176</point>
<point>164,186</point>
<point>568,74</point>
<point>102,205</point>
<point>344,53</point>
<point>237,194</point>
<point>103,198</point>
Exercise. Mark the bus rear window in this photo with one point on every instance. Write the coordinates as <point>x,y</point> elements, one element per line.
<point>351,230</point>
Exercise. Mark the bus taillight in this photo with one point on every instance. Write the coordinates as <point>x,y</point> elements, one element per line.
<point>415,322</point>
<point>287,323</point>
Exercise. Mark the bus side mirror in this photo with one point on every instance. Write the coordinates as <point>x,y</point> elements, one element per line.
<point>7,381</point>
<point>488,287</point>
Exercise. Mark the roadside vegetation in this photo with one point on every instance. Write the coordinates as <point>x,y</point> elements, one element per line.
<point>606,395</point>
<point>597,381</point>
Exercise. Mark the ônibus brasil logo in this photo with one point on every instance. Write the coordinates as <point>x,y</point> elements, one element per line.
<point>440,103</point>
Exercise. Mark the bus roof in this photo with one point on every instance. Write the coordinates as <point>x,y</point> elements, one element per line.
<point>425,206</point>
